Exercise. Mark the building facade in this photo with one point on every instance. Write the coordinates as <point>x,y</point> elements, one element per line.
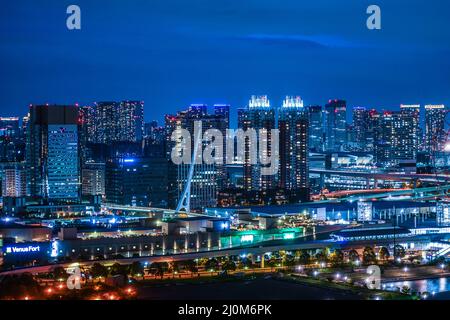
<point>207,178</point>
<point>258,115</point>
<point>119,121</point>
<point>397,136</point>
<point>435,135</point>
<point>316,132</point>
<point>335,129</point>
<point>293,126</point>
<point>139,182</point>
<point>93,179</point>
<point>53,153</point>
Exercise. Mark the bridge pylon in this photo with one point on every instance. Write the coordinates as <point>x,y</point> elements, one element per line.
<point>184,204</point>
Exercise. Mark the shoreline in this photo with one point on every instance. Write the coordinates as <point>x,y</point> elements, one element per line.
<point>429,277</point>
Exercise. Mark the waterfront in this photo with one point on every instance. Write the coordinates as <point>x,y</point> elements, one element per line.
<point>434,286</point>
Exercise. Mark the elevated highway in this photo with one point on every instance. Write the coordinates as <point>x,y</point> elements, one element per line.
<point>435,178</point>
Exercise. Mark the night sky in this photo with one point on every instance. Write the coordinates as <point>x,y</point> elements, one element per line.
<point>171,53</point>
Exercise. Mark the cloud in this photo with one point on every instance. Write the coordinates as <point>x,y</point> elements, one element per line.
<point>315,41</point>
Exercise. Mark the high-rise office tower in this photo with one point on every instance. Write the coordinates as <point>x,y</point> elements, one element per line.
<point>372,128</point>
<point>130,121</point>
<point>207,178</point>
<point>87,119</point>
<point>87,130</point>
<point>14,181</point>
<point>335,129</point>
<point>12,144</point>
<point>9,127</point>
<point>293,126</point>
<point>397,136</point>
<point>149,127</point>
<point>154,140</point>
<point>106,122</point>
<point>410,131</point>
<point>119,122</point>
<point>93,179</point>
<point>23,128</point>
<point>53,153</point>
<point>435,127</point>
<point>361,126</point>
<point>258,115</point>
<point>316,133</point>
<point>139,181</point>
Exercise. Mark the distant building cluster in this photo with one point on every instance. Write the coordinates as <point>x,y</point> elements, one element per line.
<point>105,153</point>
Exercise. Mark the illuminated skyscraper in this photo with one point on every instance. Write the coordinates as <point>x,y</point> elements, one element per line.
<point>258,115</point>
<point>435,127</point>
<point>87,130</point>
<point>93,179</point>
<point>12,143</point>
<point>361,126</point>
<point>9,127</point>
<point>397,137</point>
<point>139,181</point>
<point>130,123</point>
<point>373,118</point>
<point>335,130</point>
<point>408,145</point>
<point>106,122</point>
<point>119,122</point>
<point>207,178</point>
<point>293,126</point>
<point>14,181</point>
<point>316,132</point>
<point>53,153</point>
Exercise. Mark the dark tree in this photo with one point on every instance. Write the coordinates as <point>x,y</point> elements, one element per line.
<point>98,270</point>
<point>337,258</point>
<point>384,254</point>
<point>304,257</point>
<point>369,255</point>
<point>118,269</point>
<point>212,264</point>
<point>136,268</point>
<point>59,273</point>
<point>399,251</point>
<point>353,256</point>
<point>228,265</point>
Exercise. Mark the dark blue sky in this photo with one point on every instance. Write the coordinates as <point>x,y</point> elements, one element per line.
<point>171,53</point>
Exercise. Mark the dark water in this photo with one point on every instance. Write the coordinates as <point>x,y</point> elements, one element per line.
<point>258,289</point>
<point>436,285</point>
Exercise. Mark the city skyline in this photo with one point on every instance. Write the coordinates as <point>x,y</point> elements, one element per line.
<point>234,110</point>
<point>170,58</point>
<point>224,150</point>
